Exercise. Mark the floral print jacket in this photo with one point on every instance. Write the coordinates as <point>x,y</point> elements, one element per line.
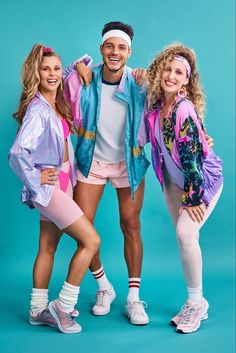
<point>185,141</point>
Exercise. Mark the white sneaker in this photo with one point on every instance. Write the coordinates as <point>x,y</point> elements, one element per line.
<point>135,311</point>
<point>104,298</point>
<point>192,316</point>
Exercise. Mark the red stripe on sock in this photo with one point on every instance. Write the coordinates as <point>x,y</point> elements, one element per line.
<point>99,275</point>
<point>134,286</point>
<point>131,282</point>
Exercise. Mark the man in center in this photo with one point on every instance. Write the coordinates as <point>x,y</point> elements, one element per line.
<point>108,115</point>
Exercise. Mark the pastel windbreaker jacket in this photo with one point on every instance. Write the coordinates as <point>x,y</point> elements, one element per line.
<point>185,142</point>
<point>39,144</point>
<point>85,103</point>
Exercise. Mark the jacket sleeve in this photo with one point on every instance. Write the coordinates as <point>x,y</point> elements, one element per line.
<point>143,133</point>
<point>85,59</point>
<point>191,152</point>
<point>73,87</point>
<point>23,150</point>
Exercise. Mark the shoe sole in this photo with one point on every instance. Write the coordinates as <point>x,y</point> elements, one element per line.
<point>41,323</point>
<point>173,323</point>
<point>54,314</point>
<point>104,313</point>
<point>136,323</point>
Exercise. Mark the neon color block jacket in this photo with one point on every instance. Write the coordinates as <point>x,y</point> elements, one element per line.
<point>39,144</point>
<point>185,141</point>
<point>85,105</point>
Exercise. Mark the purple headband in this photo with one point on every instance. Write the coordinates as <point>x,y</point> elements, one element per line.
<point>185,62</point>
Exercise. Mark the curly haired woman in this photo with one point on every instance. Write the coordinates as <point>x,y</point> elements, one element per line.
<point>188,171</point>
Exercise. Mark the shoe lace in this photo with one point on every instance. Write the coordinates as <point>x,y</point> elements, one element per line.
<point>188,314</point>
<point>139,307</point>
<point>46,315</point>
<point>70,319</point>
<point>183,309</point>
<point>101,296</point>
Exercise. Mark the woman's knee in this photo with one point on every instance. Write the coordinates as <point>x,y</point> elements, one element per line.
<point>185,236</point>
<point>48,248</point>
<point>94,244</point>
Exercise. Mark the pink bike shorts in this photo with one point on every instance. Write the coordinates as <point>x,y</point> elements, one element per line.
<point>100,173</point>
<point>62,209</point>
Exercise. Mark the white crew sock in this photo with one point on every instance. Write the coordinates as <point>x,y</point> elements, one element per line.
<point>134,285</point>
<point>195,294</point>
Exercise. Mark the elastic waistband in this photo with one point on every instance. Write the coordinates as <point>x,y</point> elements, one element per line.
<point>65,167</point>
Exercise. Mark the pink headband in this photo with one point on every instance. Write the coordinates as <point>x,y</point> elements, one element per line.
<point>47,50</point>
<point>185,62</point>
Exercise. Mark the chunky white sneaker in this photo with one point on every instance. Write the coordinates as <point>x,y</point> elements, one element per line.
<point>176,319</point>
<point>135,311</point>
<point>104,298</point>
<point>192,315</point>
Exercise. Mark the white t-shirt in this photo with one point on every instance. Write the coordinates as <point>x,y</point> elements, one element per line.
<point>110,137</point>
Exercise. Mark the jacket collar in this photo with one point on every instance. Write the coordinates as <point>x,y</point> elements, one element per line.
<point>41,97</point>
<point>121,85</point>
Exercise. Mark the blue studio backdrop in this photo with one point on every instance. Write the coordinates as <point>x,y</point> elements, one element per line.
<point>73,28</point>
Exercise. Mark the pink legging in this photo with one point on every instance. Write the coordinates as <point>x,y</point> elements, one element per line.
<point>62,209</point>
<point>187,232</point>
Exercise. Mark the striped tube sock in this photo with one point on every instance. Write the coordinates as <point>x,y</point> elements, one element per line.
<point>39,299</point>
<point>134,285</point>
<point>101,279</point>
<point>68,297</point>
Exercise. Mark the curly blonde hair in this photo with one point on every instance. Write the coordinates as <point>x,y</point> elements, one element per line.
<point>194,89</point>
<point>30,80</point>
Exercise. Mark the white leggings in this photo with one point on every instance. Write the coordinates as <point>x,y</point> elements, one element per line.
<point>187,232</point>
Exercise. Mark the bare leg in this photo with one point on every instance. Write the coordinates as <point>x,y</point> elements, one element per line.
<point>50,236</point>
<point>81,231</point>
<point>130,225</point>
<point>87,196</point>
<point>84,233</point>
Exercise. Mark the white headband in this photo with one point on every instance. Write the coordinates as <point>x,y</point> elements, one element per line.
<point>117,33</point>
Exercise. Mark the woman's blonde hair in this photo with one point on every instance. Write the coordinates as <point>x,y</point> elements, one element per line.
<point>30,80</point>
<point>194,89</point>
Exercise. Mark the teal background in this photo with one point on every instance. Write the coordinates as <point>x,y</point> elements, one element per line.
<point>73,28</point>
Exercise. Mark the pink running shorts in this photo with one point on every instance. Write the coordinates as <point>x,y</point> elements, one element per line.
<point>100,173</point>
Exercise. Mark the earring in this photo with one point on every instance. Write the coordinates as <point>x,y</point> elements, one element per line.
<point>182,92</point>
<point>61,86</point>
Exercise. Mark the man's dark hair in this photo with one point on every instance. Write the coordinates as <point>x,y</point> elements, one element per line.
<point>118,25</point>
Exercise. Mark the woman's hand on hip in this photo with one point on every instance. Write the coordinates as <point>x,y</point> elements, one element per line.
<point>49,176</point>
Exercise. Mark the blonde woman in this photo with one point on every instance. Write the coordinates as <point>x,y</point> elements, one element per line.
<point>42,156</point>
<point>189,173</point>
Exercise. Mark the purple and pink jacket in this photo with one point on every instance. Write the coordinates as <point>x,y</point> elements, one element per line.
<point>39,144</point>
<point>185,142</point>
